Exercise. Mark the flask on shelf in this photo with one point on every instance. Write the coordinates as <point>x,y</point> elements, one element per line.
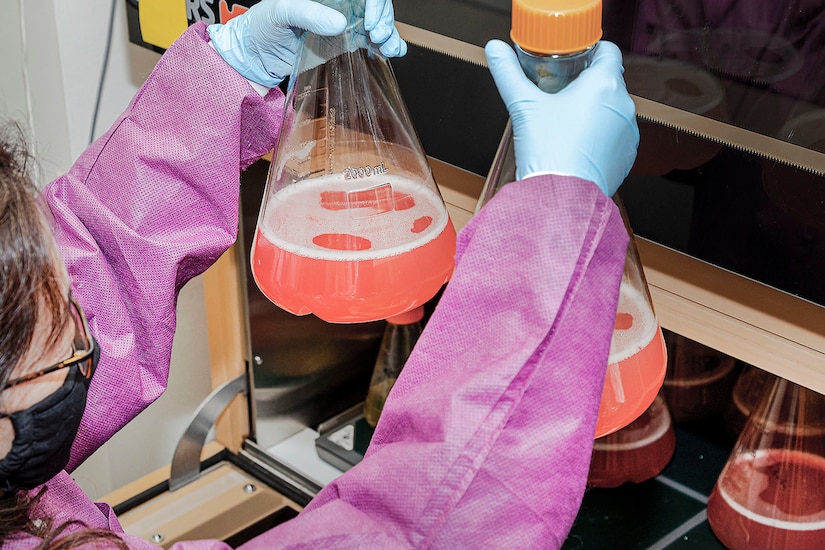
<point>554,42</point>
<point>769,491</point>
<point>400,336</point>
<point>699,379</point>
<point>636,453</point>
<point>352,226</point>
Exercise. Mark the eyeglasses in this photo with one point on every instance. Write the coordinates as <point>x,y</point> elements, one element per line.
<point>83,348</point>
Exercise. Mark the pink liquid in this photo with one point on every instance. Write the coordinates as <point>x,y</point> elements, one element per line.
<point>635,453</point>
<point>772,499</point>
<point>350,251</point>
<point>636,366</point>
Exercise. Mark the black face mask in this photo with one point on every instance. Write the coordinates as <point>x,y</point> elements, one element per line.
<point>44,434</point>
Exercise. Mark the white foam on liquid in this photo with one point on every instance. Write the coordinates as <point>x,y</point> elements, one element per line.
<point>294,216</point>
<point>627,343</point>
<point>764,520</point>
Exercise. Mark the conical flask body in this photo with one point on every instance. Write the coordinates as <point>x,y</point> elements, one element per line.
<point>769,494</point>
<point>352,227</point>
<point>638,355</point>
<point>637,363</point>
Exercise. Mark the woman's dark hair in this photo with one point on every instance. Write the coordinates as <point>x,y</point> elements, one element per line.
<point>29,286</point>
<point>29,281</point>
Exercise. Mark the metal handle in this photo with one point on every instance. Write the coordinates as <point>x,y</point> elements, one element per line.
<point>186,461</point>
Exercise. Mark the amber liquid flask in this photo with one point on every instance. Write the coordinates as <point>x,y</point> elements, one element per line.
<point>770,492</point>
<point>400,336</point>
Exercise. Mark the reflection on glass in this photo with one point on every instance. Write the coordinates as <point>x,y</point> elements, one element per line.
<point>754,207</point>
<point>742,53</point>
<point>766,55</point>
<point>750,387</point>
<point>678,84</point>
<point>699,379</point>
<point>799,193</point>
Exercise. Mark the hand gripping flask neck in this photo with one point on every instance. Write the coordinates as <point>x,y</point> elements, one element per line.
<point>555,41</point>
<point>352,227</point>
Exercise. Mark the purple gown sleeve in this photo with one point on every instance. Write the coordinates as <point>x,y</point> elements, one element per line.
<point>148,206</point>
<point>485,440</point>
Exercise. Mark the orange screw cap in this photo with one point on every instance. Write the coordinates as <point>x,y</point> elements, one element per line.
<point>556,26</point>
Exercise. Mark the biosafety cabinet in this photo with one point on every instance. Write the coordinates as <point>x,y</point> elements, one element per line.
<point>727,200</point>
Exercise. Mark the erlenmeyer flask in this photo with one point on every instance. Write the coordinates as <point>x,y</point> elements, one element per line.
<point>769,494</point>
<point>638,356</point>
<point>400,336</point>
<point>699,379</point>
<point>637,452</point>
<point>352,226</point>
<point>749,389</point>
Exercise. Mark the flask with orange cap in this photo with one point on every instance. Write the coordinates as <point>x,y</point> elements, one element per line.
<point>555,40</point>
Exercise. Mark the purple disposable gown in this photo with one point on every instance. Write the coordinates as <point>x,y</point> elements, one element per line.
<point>486,439</point>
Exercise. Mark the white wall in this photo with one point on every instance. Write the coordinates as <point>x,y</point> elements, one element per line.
<point>51,52</point>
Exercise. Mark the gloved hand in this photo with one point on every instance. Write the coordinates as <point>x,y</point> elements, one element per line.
<point>587,129</point>
<point>379,22</point>
<point>261,44</point>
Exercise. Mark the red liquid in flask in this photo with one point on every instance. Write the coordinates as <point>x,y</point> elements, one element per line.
<point>636,365</point>
<point>751,508</point>
<point>396,253</point>
<point>769,494</point>
<point>637,452</point>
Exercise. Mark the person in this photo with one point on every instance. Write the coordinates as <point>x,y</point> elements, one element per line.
<point>486,438</point>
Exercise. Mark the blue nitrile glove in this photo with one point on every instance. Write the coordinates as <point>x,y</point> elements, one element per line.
<point>379,22</point>
<point>261,44</point>
<point>587,129</point>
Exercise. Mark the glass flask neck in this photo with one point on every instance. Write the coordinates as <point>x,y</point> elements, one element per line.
<point>552,72</point>
<point>355,35</point>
